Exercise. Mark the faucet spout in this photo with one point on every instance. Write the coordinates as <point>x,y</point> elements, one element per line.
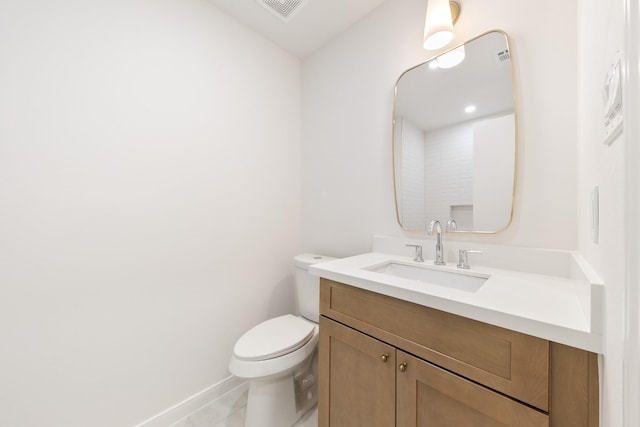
<point>435,224</point>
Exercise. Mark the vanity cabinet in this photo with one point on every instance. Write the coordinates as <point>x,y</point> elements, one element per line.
<point>388,362</point>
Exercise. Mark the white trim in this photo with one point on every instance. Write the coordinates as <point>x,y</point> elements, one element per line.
<point>192,404</point>
<point>631,103</point>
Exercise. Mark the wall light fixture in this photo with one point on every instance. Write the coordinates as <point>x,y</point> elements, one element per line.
<point>438,23</point>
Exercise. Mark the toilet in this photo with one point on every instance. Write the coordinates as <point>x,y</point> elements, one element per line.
<point>279,357</point>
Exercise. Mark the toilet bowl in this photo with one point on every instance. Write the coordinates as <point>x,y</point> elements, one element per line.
<point>279,357</point>
<point>281,377</point>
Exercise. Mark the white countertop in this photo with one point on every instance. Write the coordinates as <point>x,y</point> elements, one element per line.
<point>559,309</point>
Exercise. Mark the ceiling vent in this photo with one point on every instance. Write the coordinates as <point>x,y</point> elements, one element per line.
<point>283,9</point>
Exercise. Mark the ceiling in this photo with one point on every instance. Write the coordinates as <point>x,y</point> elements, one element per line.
<point>310,26</point>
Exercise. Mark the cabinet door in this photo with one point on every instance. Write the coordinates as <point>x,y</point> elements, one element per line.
<point>429,396</point>
<point>356,378</point>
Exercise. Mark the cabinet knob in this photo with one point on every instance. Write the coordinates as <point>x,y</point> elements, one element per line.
<point>402,367</point>
<point>384,357</point>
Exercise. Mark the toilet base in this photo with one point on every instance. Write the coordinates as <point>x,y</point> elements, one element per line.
<point>281,400</point>
<point>271,403</point>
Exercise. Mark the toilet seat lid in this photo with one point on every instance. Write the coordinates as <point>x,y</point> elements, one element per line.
<point>274,337</point>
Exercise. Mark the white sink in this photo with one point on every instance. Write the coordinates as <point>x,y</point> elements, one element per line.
<point>469,282</point>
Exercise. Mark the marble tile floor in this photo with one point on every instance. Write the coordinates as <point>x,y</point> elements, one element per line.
<point>229,410</point>
<point>310,419</point>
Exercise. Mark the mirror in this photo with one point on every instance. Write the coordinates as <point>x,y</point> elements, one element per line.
<point>454,139</point>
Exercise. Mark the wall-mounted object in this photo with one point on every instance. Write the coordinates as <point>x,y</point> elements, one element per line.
<point>438,24</point>
<point>612,99</point>
<point>452,162</point>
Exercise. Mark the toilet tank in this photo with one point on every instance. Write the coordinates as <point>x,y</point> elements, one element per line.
<point>308,285</point>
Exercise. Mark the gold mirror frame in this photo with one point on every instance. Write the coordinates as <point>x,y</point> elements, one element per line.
<point>513,98</point>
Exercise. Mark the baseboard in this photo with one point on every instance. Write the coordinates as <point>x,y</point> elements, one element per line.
<point>190,406</point>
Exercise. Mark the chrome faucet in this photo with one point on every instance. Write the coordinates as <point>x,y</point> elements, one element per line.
<point>439,257</point>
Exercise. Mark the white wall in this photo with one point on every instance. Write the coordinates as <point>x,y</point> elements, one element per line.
<point>448,163</point>
<point>493,159</point>
<point>149,203</point>
<point>464,172</point>
<point>411,155</point>
<point>601,35</point>
<point>347,108</point>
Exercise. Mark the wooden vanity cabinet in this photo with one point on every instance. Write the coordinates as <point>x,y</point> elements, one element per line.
<point>388,362</point>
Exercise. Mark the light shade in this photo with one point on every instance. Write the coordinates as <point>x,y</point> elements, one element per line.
<point>438,24</point>
<point>452,58</point>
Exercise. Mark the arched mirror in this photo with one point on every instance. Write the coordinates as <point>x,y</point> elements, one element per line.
<point>454,139</point>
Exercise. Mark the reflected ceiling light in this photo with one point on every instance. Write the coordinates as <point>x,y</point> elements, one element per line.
<point>452,58</point>
<point>438,23</point>
<point>470,109</point>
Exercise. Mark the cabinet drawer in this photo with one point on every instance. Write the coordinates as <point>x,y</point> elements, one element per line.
<point>509,362</point>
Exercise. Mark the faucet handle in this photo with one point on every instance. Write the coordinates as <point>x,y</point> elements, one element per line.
<point>417,257</point>
<point>463,257</point>
<point>452,225</point>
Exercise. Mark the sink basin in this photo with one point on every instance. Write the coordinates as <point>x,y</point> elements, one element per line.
<point>463,281</point>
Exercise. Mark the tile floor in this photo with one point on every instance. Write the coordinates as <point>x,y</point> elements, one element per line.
<point>310,419</point>
<point>228,411</point>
